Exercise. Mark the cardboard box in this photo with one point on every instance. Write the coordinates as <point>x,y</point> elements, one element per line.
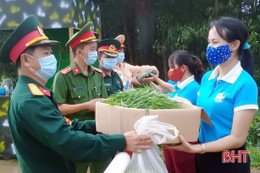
<point>116,119</point>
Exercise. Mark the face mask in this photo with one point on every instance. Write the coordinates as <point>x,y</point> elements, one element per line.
<point>109,63</point>
<point>176,75</point>
<point>48,67</point>
<point>92,57</point>
<point>121,57</point>
<point>218,55</point>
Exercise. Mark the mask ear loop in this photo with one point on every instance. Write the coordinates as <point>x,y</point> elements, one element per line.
<point>33,58</point>
<point>183,69</point>
<point>82,56</point>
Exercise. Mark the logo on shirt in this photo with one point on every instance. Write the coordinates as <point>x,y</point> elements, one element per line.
<point>220,97</point>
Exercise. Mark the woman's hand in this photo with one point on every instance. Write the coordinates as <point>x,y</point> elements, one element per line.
<point>153,78</point>
<point>185,146</point>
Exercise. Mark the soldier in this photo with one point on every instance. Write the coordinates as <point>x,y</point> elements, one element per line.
<point>126,71</point>
<point>44,140</point>
<point>78,86</point>
<point>108,52</point>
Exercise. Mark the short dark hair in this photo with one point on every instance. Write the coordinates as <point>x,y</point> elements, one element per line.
<point>80,46</point>
<point>29,50</point>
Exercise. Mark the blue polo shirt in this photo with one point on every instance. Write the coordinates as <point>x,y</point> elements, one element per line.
<point>186,90</point>
<point>236,91</point>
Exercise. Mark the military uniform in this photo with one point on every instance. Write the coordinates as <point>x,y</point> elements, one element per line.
<point>72,86</point>
<point>113,83</point>
<point>46,142</point>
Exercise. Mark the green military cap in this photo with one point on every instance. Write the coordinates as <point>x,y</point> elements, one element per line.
<point>85,34</point>
<point>27,34</point>
<point>109,46</point>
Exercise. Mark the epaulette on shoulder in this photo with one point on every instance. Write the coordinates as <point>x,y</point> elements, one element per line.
<point>68,121</point>
<point>65,70</point>
<point>35,90</point>
<point>97,69</point>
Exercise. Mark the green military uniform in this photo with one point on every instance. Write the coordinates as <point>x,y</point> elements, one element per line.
<point>110,47</point>
<point>72,86</point>
<point>113,83</point>
<point>44,142</point>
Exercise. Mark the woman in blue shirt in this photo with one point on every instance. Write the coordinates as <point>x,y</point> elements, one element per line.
<point>229,96</point>
<point>186,71</point>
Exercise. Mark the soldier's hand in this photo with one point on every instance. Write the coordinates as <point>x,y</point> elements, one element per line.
<point>91,105</point>
<point>137,143</point>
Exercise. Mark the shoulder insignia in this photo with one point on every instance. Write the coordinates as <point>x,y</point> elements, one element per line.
<point>68,121</point>
<point>35,90</point>
<point>45,91</point>
<point>99,71</point>
<point>76,70</point>
<point>65,70</point>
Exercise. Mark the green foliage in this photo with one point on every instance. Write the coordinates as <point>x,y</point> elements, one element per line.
<point>7,70</point>
<point>253,138</point>
<point>183,24</point>
<point>143,98</point>
<point>254,156</point>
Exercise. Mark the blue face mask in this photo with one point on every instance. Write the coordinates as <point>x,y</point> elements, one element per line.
<point>121,57</point>
<point>218,55</point>
<point>48,67</point>
<point>109,63</point>
<point>92,57</point>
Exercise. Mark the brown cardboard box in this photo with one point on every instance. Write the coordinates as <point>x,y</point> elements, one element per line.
<point>116,119</point>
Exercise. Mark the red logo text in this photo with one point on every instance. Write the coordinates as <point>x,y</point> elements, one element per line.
<point>231,156</point>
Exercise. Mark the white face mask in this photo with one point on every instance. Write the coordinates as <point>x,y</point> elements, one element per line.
<point>121,57</point>
<point>109,63</point>
<point>48,67</point>
<point>92,57</point>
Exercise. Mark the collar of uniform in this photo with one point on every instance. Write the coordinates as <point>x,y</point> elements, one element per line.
<point>231,76</point>
<point>182,84</point>
<point>112,73</point>
<point>119,66</point>
<point>77,70</point>
<point>26,79</point>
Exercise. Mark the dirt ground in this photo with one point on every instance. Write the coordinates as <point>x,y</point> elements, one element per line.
<point>12,166</point>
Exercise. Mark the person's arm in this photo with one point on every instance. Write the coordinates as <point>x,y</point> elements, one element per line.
<point>239,132</point>
<point>61,91</point>
<point>87,126</point>
<point>136,70</point>
<point>67,109</point>
<point>245,106</point>
<point>165,86</point>
<point>44,122</point>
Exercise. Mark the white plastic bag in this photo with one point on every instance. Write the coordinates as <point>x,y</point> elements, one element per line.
<point>149,161</point>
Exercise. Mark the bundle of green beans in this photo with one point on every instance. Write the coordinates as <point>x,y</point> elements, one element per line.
<point>143,98</point>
